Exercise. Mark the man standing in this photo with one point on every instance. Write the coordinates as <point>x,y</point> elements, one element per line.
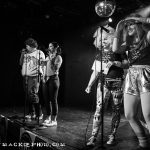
<point>30,61</point>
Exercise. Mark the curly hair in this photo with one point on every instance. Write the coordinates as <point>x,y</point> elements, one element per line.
<point>31,42</point>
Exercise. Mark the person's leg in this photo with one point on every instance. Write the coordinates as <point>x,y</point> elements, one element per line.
<point>97,116</point>
<point>54,95</point>
<point>141,117</point>
<point>45,87</point>
<point>34,95</point>
<point>31,97</point>
<point>53,87</point>
<point>47,103</point>
<point>145,104</point>
<point>144,88</point>
<point>131,108</point>
<point>116,114</point>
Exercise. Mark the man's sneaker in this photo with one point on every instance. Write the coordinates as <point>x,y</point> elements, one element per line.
<point>111,140</point>
<point>91,141</point>
<point>30,116</point>
<point>40,117</point>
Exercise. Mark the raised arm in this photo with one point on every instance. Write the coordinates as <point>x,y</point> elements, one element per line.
<point>117,38</point>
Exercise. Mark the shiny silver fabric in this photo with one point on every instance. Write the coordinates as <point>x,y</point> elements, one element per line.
<point>137,80</point>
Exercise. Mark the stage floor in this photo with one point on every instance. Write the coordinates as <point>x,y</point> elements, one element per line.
<point>74,129</point>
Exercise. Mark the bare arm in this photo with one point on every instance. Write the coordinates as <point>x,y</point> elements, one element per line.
<point>21,59</point>
<point>92,80</point>
<point>144,12</point>
<point>58,62</point>
<point>115,45</point>
<point>148,37</point>
<point>117,38</point>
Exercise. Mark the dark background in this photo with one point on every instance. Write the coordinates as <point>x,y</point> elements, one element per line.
<point>69,22</point>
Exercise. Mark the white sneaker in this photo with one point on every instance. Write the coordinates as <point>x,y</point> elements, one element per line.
<point>30,116</point>
<point>50,124</point>
<point>92,141</point>
<point>47,121</point>
<point>40,117</point>
<point>54,123</point>
<point>111,140</point>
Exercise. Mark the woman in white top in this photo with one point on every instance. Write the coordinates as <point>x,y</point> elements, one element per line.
<point>51,83</point>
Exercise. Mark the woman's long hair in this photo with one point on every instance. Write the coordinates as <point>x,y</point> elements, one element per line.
<point>140,31</point>
<point>56,47</point>
<point>31,42</point>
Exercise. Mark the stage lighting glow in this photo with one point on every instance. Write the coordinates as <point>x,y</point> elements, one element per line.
<point>110,19</point>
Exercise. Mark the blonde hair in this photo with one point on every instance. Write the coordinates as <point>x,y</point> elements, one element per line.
<point>97,35</point>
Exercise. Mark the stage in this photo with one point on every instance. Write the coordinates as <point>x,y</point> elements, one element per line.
<point>72,132</point>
